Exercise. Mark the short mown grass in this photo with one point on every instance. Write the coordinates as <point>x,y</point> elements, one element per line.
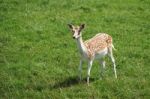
<point>39,59</point>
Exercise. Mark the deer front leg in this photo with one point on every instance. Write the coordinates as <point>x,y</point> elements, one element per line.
<point>80,70</point>
<point>89,69</point>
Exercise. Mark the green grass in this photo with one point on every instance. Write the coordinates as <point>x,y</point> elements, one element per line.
<point>39,59</point>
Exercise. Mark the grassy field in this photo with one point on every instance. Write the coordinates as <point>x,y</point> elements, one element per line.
<point>39,59</point>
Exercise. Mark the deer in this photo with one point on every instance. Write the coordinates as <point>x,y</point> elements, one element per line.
<point>95,48</point>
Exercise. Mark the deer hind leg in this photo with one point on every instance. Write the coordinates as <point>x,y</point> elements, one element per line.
<point>110,53</point>
<point>102,67</point>
<point>89,70</point>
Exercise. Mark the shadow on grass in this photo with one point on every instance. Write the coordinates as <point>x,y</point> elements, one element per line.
<point>71,81</point>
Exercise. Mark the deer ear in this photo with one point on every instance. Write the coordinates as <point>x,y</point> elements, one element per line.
<point>82,26</point>
<point>70,26</point>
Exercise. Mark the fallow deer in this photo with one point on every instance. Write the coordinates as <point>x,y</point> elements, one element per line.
<point>95,48</point>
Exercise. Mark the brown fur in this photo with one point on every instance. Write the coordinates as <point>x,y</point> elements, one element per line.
<point>98,43</point>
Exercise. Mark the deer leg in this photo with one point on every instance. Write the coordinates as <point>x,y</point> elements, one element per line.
<point>80,70</point>
<point>113,61</point>
<point>89,69</point>
<point>102,67</point>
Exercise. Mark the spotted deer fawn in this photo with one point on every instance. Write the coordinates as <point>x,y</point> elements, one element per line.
<point>95,48</point>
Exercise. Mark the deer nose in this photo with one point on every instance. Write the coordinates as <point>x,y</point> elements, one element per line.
<point>73,37</point>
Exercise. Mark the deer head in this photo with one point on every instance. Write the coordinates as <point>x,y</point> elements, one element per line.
<point>76,30</point>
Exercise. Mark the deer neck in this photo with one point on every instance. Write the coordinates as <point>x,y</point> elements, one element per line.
<point>81,46</point>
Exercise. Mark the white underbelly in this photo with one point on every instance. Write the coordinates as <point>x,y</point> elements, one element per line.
<point>101,53</point>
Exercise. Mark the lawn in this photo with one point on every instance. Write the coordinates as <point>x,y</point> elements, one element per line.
<point>39,59</point>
